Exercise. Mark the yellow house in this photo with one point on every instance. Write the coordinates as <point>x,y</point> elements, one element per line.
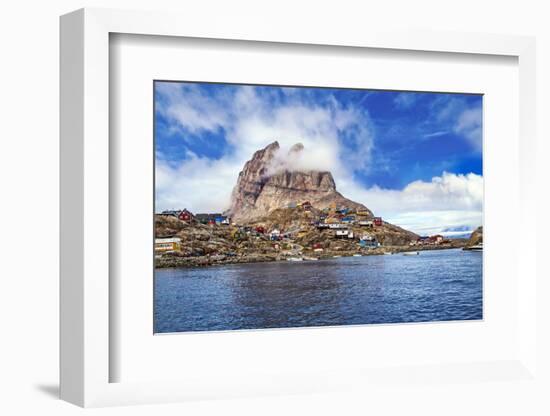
<point>163,245</point>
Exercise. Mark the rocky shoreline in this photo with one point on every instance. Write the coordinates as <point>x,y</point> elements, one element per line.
<point>216,260</point>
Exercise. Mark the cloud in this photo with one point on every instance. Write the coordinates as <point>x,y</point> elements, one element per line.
<point>468,124</point>
<point>188,107</point>
<point>405,100</point>
<point>447,201</point>
<point>251,119</point>
<point>464,118</point>
<point>204,184</point>
<point>435,134</point>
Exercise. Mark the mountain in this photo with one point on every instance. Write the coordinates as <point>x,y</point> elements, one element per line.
<point>265,185</point>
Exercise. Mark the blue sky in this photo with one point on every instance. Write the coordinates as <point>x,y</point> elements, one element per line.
<point>414,158</point>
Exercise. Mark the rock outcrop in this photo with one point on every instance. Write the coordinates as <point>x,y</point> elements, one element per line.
<point>476,237</point>
<point>265,185</point>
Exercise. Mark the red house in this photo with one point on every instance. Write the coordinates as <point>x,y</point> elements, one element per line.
<point>377,221</point>
<point>260,230</point>
<point>185,215</point>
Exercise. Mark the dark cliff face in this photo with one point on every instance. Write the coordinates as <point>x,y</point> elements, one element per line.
<point>265,185</point>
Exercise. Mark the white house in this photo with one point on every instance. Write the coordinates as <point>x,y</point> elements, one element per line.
<point>164,245</point>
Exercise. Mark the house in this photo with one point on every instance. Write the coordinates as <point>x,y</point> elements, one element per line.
<point>343,210</point>
<point>170,213</point>
<point>306,206</point>
<point>336,226</point>
<point>366,223</point>
<point>208,218</point>
<point>369,243</point>
<point>291,205</point>
<point>166,245</point>
<point>275,235</point>
<point>348,219</point>
<point>341,233</point>
<point>185,215</point>
<point>202,218</point>
<point>260,230</point>
<point>420,241</point>
<point>363,213</point>
<point>377,221</point>
<point>435,239</point>
<point>438,239</point>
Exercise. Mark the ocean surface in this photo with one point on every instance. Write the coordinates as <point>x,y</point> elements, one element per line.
<point>437,285</point>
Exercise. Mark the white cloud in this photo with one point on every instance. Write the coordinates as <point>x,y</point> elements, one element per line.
<point>250,122</point>
<point>468,124</point>
<point>435,134</point>
<point>190,108</point>
<point>405,100</point>
<point>200,185</point>
<point>446,201</point>
<point>464,120</point>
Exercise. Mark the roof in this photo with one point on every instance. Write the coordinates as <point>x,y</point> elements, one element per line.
<point>204,216</point>
<point>168,240</point>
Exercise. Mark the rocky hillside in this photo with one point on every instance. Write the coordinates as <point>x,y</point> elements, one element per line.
<point>301,223</point>
<point>476,237</point>
<point>204,245</point>
<point>263,187</point>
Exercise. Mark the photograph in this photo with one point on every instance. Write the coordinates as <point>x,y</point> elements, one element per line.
<point>303,206</point>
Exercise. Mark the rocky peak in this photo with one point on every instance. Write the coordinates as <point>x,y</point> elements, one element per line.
<point>265,184</point>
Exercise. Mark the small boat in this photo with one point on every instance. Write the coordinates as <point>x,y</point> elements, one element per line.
<point>310,258</point>
<point>411,253</point>
<point>477,247</point>
<point>388,253</point>
<point>357,255</point>
<point>336,257</point>
<point>295,259</point>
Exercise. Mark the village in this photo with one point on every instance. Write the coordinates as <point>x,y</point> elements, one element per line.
<point>297,232</point>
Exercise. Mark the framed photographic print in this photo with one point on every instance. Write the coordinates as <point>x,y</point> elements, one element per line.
<point>277,213</point>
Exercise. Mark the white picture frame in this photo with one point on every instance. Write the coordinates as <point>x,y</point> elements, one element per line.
<point>85,204</point>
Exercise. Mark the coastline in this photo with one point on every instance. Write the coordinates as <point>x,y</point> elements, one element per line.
<point>166,262</point>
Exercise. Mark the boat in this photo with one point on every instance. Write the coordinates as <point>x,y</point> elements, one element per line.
<point>411,253</point>
<point>477,247</point>
<point>357,255</point>
<point>388,253</point>
<point>336,257</point>
<point>310,258</point>
<point>295,259</point>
